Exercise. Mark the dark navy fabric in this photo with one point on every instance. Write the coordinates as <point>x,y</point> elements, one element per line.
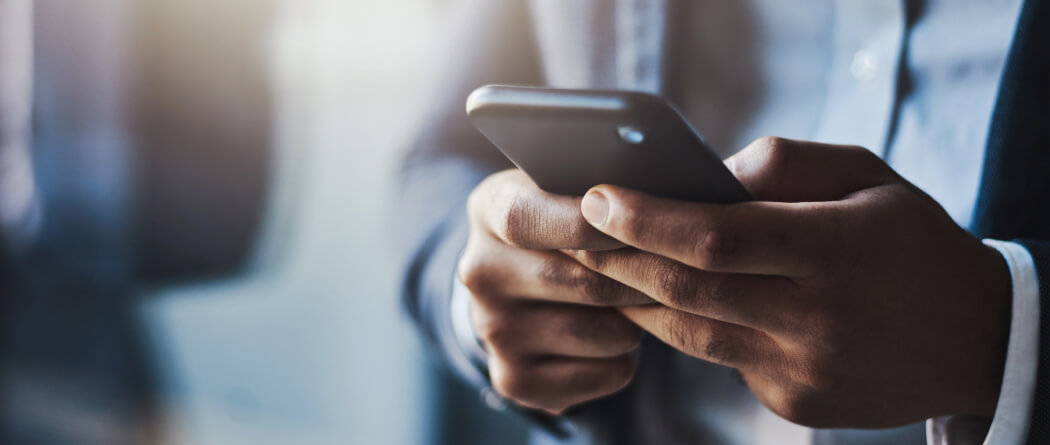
<point>1015,189</point>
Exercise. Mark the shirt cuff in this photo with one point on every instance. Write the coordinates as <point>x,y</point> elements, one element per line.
<point>1012,414</point>
<point>1013,411</point>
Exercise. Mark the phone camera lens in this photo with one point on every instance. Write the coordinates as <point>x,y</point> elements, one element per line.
<point>630,135</point>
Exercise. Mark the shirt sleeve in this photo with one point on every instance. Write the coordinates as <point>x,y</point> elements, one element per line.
<point>1010,423</point>
<point>1012,413</point>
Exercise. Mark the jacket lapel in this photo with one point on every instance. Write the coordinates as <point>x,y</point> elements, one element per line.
<point>1014,199</point>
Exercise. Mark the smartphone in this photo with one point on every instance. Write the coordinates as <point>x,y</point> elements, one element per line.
<point>568,141</point>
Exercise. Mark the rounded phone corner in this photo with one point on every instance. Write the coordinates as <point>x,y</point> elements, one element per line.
<point>479,98</point>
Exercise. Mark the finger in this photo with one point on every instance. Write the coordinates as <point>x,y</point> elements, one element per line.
<point>513,209</point>
<point>704,338</point>
<point>556,329</point>
<point>555,384</point>
<point>759,301</point>
<point>495,272</point>
<point>784,170</point>
<point>755,237</point>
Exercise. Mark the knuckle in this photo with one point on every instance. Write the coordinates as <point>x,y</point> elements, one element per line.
<point>512,383</point>
<point>675,283</point>
<point>863,155</point>
<point>558,273</point>
<point>714,246</point>
<point>592,288</point>
<point>869,164</point>
<point>477,274</point>
<point>502,206</point>
<point>680,331</point>
<point>472,272</point>
<point>711,345</point>
<point>769,157</point>
<point>877,167</point>
<point>494,329</point>
<point>718,349</point>
<point>776,150</point>
<point>497,338</point>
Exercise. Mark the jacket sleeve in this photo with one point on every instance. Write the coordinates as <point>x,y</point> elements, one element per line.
<point>489,42</point>
<point>1039,424</point>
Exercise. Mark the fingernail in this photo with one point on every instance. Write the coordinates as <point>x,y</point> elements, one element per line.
<point>595,208</point>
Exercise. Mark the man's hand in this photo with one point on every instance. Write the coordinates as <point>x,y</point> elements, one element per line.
<point>553,336</point>
<point>844,295</point>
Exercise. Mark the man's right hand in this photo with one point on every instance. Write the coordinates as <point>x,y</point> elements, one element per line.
<point>547,322</point>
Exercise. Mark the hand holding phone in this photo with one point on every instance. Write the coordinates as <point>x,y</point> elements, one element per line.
<point>548,322</point>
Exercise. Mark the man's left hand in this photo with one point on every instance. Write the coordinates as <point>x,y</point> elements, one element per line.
<point>845,295</point>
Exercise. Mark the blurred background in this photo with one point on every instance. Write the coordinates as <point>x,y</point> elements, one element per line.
<point>208,265</point>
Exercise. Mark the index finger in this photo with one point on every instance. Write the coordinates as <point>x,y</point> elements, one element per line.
<point>512,208</point>
<point>757,237</point>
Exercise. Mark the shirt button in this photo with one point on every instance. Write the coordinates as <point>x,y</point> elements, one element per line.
<point>493,400</point>
<point>864,65</point>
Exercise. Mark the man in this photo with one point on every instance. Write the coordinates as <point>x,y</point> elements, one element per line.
<point>848,295</point>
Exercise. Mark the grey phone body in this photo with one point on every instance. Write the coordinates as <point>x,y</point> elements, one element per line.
<point>568,141</point>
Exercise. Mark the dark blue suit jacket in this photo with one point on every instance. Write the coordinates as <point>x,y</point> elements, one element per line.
<point>450,158</point>
<point>1014,201</point>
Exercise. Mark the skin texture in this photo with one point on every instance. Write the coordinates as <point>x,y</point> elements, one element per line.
<point>549,324</point>
<point>844,295</point>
